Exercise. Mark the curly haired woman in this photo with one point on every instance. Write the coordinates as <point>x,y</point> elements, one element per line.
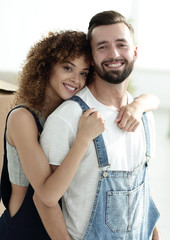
<point>55,69</point>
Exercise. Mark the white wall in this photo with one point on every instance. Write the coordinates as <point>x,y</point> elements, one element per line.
<point>153,81</point>
<point>22,22</point>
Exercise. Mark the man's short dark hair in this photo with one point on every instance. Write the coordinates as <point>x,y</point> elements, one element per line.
<point>107,18</point>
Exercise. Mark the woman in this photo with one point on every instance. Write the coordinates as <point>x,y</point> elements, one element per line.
<point>56,68</point>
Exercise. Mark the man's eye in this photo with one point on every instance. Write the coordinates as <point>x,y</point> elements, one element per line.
<point>102,47</point>
<point>123,45</point>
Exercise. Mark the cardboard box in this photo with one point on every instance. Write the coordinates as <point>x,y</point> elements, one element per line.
<point>6,97</point>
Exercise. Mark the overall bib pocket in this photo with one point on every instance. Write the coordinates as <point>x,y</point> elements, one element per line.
<point>125,209</point>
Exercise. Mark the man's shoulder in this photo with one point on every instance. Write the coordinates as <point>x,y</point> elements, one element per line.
<point>70,104</point>
<point>83,92</point>
<point>150,116</point>
<point>68,108</point>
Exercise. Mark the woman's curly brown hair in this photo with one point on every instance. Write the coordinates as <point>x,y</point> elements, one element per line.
<point>57,47</point>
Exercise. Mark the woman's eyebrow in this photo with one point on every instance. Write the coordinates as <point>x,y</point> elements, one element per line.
<point>75,66</point>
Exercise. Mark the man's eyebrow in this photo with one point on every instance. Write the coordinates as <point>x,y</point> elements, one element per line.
<point>101,42</point>
<point>121,40</point>
<point>117,40</point>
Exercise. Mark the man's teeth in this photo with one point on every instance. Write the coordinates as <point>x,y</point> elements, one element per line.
<point>71,88</point>
<point>115,65</point>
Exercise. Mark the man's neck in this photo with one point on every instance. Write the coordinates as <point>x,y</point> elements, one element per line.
<point>111,95</point>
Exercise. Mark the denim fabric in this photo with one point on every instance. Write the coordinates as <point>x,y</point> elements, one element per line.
<point>98,142</point>
<point>123,208</point>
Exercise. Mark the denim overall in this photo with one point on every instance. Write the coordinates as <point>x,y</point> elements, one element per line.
<point>123,208</point>
<point>26,223</point>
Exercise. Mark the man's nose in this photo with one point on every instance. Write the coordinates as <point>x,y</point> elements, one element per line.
<point>113,52</point>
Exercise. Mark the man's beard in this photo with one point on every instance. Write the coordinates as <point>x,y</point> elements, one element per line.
<point>113,76</point>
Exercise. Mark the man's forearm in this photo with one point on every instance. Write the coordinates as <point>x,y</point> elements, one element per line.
<point>53,220</point>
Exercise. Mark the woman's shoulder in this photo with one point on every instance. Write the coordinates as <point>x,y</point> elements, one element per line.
<point>20,117</point>
<point>20,113</point>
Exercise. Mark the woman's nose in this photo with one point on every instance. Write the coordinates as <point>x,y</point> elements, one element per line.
<point>75,77</point>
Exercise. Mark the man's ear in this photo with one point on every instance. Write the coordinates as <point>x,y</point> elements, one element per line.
<point>92,63</point>
<point>135,53</point>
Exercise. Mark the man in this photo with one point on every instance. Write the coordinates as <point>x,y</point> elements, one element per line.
<point>109,196</point>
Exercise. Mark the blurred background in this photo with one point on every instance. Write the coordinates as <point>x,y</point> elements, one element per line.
<point>23,22</point>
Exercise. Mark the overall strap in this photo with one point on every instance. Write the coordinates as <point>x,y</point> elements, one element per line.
<point>5,185</point>
<point>147,135</point>
<point>98,141</point>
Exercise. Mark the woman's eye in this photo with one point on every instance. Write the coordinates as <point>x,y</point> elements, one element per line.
<point>84,74</point>
<point>67,68</point>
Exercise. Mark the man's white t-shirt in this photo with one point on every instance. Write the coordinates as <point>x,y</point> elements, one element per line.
<point>125,152</point>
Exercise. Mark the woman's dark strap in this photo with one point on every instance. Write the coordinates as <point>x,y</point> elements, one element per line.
<point>5,185</point>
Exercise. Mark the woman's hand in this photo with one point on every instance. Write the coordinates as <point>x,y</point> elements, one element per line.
<point>156,234</point>
<point>129,117</point>
<point>91,125</point>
